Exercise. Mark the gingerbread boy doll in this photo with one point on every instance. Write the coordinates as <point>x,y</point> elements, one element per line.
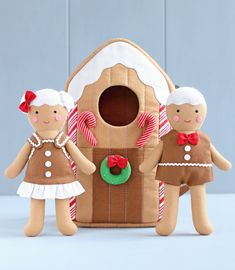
<point>184,156</point>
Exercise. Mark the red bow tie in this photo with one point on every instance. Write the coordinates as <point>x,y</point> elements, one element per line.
<point>29,97</point>
<point>185,138</point>
<point>117,160</point>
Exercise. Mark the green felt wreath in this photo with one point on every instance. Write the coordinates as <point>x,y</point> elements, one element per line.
<point>113,179</point>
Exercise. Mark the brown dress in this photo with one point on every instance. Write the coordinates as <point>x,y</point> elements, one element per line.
<point>49,161</point>
<point>185,164</point>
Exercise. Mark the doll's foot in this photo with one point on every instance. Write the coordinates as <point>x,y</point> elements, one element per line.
<point>67,229</point>
<point>32,230</point>
<point>164,229</point>
<point>204,229</point>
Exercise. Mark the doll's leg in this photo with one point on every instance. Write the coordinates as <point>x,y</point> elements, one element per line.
<point>63,218</point>
<point>168,222</point>
<point>36,218</point>
<point>199,212</point>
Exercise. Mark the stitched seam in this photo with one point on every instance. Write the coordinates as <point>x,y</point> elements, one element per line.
<point>109,152</point>
<point>126,152</point>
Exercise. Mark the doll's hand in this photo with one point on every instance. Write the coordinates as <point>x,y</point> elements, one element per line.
<point>91,169</point>
<point>10,172</point>
<point>141,169</point>
<point>144,168</point>
<point>227,165</point>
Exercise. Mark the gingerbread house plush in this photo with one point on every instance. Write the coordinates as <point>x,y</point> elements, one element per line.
<point>119,90</point>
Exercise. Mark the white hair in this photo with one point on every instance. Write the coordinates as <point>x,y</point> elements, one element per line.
<point>52,97</point>
<point>187,95</point>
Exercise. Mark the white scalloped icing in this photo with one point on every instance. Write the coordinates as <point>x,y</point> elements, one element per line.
<point>185,164</point>
<point>120,53</point>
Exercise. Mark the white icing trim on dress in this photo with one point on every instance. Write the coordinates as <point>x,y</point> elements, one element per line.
<point>64,142</point>
<point>37,139</point>
<point>49,141</point>
<point>65,152</point>
<point>120,52</point>
<point>185,164</point>
<point>32,152</point>
<point>57,191</point>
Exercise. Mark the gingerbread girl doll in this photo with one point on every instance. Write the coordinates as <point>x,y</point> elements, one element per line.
<point>184,156</point>
<point>48,153</point>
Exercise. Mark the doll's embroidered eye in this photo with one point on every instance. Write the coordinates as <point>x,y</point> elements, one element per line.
<point>178,110</point>
<point>55,111</point>
<point>196,111</point>
<point>36,112</point>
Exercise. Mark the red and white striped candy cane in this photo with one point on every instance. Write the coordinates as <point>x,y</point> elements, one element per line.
<point>146,118</point>
<point>72,132</point>
<point>87,120</point>
<point>164,128</point>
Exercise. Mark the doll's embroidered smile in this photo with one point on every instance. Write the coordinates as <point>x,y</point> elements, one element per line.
<point>46,122</point>
<point>187,121</point>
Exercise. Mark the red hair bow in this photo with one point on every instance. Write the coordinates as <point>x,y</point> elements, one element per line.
<point>185,138</point>
<point>29,97</point>
<point>117,160</point>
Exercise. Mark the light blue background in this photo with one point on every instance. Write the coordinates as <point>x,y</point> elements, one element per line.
<point>118,249</point>
<point>41,42</point>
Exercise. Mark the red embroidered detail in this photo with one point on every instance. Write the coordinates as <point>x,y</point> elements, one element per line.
<point>185,138</point>
<point>29,97</point>
<point>117,160</point>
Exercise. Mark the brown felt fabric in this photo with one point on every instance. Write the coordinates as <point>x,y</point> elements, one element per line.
<point>150,192</point>
<point>121,203</point>
<point>84,206</point>
<point>134,203</point>
<point>118,136</point>
<point>61,172</point>
<point>115,225</point>
<point>174,153</point>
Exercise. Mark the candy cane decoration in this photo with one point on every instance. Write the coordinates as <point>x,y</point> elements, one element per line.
<point>87,120</point>
<point>164,128</point>
<point>72,132</point>
<point>148,119</point>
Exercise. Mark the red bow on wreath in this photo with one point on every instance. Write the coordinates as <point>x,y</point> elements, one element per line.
<point>185,138</point>
<point>117,160</point>
<point>29,97</point>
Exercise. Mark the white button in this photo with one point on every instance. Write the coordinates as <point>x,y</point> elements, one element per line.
<point>187,148</point>
<point>48,174</point>
<point>187,157</point>
<point>48,164</point>
<point>47,153</point>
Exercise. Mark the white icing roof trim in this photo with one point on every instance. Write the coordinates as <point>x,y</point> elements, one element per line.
<point>120,53</point>
<point>185,95</point>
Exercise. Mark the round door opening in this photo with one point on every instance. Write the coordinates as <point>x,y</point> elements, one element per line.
<point>118,105</point>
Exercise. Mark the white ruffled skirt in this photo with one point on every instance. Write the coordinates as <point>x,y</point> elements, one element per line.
<point>41,192</point>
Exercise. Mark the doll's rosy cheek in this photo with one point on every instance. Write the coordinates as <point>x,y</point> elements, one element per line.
<point>199,119</point>
<point>58,118</point>
<point>176,118</point>
<point>34,119</point>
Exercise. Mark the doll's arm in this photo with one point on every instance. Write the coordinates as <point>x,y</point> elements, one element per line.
<point>81,161</point>
<point>221,162</point>
<point>152,161</point>
<point>15,168</point>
